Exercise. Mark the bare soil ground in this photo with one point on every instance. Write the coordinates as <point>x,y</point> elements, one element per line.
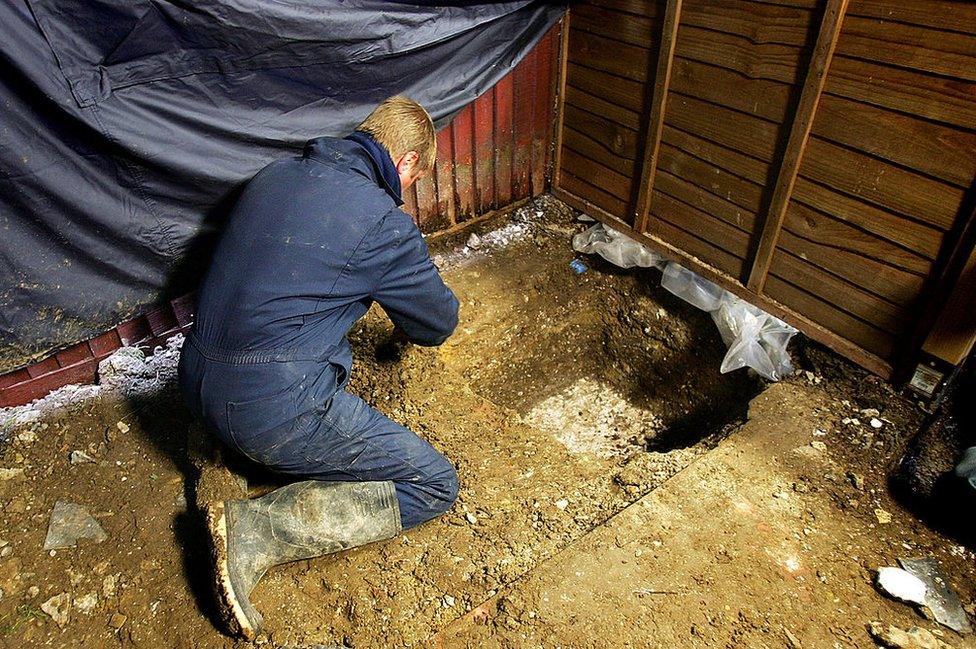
<point>566,401</point>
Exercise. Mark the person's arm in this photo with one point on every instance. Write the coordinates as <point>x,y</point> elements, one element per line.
<point>406,282</point>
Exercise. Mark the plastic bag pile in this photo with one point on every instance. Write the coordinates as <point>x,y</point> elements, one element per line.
<point>754,338</point>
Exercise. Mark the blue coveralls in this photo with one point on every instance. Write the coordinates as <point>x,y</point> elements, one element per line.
<point>311,243</point>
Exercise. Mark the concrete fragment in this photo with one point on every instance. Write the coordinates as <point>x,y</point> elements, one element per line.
<point>80,457</point>
<point>109,586</point>
<point>86,603</point>
<point>10,474</point>
<point>914,638</point>
<point>70,522</point>
<point>58,607</point>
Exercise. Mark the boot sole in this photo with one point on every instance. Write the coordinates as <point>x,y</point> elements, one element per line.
<point>230,607</point>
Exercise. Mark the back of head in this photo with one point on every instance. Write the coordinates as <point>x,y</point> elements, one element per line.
<point>400,124</point>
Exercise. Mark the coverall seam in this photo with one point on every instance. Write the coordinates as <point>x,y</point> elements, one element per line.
<point>399,239</point>
<point>352,257</point>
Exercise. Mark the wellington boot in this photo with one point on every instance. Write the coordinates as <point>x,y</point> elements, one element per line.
<point>298,521</point>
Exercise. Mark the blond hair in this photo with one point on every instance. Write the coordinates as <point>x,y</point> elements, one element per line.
<point>400,124</point>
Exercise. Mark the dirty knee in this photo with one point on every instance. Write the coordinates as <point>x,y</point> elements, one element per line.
<point>445,485</point>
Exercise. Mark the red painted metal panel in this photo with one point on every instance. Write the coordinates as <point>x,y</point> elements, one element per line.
<point>410,203</point>
<point>13,378</point>
<point>445,176</point>
<point>427,209</point>
<point>134,331</point>
<point>183,308</point>
<point>162,320</point>
<point>524,100</point>
<point>503,140</point>
<point>462,129</point>
<point>484,152</point>
<point>541,112</point>
<point>41,368</point>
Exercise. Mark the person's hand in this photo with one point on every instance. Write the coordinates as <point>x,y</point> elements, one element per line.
<point>393,349</point>
<point>399,337</point>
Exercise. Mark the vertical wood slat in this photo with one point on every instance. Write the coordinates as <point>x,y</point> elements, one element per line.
<point>551,81</point>
<point>560,95</point>
<point>655,125</point>
<point>806,110</point>
<point>953,336</point>
<point>939,312</point>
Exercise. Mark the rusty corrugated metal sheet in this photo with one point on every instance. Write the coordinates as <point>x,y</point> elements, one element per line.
<point>497,150</point>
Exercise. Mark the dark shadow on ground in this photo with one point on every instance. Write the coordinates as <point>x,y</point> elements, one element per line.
<point>165,422</point>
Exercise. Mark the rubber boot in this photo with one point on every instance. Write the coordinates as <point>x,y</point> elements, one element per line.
<point>298,521</point>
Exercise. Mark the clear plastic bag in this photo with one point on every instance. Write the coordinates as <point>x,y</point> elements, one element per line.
<point>755,339</point>
<point>616,247</point>
<point>691,288</point>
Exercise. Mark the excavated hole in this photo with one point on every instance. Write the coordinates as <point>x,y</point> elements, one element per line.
<point>633,367</point>
<point>607,362</point>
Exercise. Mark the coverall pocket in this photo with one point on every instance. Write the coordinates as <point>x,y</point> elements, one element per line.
<point>270,430</point>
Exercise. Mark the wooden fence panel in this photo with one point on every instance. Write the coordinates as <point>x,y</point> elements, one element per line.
<point>817,157</point>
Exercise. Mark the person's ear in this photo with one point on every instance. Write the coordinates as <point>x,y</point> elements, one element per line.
<point>407,162</point>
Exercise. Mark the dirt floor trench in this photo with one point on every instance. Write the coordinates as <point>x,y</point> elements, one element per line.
<point>616,489</point>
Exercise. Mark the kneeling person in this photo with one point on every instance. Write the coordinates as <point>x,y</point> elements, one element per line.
<point>311,244</point>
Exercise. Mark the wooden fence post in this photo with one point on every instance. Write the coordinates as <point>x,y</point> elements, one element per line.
<point>655,124</point>
<point>806,110</point>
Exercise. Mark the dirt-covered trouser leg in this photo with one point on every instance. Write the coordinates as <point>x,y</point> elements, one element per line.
<point>354,442</point>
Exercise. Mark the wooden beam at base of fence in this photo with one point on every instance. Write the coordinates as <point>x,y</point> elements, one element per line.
<point>806,110</point>
<point>817,332</point>
<point>655,123</point>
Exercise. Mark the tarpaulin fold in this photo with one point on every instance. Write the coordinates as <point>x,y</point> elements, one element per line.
<point>128,125</point>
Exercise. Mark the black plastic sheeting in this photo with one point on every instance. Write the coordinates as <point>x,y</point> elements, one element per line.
<point>128,125</point>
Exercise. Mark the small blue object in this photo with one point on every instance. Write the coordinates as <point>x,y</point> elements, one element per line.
<point>579,266</point>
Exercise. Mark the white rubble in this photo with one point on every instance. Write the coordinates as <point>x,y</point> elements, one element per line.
<point>901,585</point>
